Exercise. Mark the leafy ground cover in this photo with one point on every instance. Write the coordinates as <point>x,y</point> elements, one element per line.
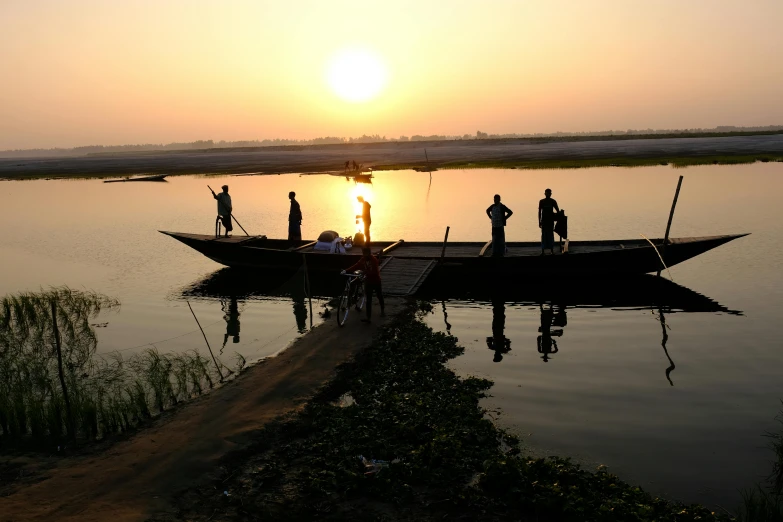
<point>397,435</point>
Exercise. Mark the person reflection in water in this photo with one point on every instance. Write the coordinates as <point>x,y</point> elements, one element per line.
<point>546,344</point>
<point>231,316</point>
<point>300,309</point>
<point>499,343</point>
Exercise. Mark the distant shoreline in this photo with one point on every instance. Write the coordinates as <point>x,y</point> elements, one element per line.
<point>519,153</point>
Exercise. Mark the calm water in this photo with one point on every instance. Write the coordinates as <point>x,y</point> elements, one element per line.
<point>604,396</point>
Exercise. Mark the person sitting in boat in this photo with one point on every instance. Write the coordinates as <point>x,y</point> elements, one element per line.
<point>498,213</point>
<point>224,208</point>
<point>372,281</point>
<point>366,218</point>
<point>547,208</point>
<point>294,219</point>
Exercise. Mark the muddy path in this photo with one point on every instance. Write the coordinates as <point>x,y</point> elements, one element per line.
<point>138,477</point>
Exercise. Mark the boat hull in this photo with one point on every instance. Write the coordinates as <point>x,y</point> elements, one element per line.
<point>586,258</point>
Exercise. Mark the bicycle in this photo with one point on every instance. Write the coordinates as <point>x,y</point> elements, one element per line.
<point>353,295</point>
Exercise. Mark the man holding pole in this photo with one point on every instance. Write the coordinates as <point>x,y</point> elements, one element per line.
<point>224,208</point>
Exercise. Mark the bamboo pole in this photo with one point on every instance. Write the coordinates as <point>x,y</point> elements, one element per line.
<point>307,288</point>
<point>669,223</point>
<point>240,226</point>
<point>445,240</point>
<point>205,340</point>
<point>71,432</point>
<point>664,339</point>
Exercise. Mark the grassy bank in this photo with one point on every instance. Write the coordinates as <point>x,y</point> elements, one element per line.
<point>398,436</point>
<point>44,404</point>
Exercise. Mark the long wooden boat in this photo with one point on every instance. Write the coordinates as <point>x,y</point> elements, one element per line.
<point>155,177</point>
<point>585,258</point>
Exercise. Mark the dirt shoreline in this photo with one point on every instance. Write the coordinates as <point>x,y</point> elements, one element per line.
<point>307,159</point>
<point>138,477</point>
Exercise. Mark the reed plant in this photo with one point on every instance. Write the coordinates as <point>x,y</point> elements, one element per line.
<point>764,502</point>
<point>107,394</point>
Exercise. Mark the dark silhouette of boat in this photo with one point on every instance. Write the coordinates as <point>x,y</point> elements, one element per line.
<point>156,177</point>
<point>362,178</point>
<point>584,259</point>
<point>360,175</point>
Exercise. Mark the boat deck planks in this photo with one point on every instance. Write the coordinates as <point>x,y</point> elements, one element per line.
<point>403,277</point>
<point>234,239</point>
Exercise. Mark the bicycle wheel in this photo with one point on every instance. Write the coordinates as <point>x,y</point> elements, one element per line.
<point>344,306</point>
<point>360,297</point>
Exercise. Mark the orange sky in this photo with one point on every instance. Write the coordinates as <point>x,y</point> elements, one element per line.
<point>83,72</point>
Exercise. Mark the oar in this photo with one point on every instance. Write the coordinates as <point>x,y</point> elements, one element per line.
<point>232,215</point>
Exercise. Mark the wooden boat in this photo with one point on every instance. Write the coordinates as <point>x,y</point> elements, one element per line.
<point>156,177</point>
<point>362,178</point>
<point>362,175</point>
<point>585,258</point>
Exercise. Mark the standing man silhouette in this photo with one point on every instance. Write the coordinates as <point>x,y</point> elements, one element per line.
<point>294,219</point>
<point>498,213</point>
<point>366,218</point>
<point>546,221</point>
<point>224,208</point>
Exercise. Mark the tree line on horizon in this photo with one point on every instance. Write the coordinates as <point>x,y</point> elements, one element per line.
<point>373,138</point>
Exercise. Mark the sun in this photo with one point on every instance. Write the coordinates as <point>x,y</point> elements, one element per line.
<point>356,75</point>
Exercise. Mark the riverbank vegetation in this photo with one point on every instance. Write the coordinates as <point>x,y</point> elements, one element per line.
<point>397,435</point>
<point>54,387</point>
<point>335,141</point>
<point>621,161</point>
<point>764,502</point>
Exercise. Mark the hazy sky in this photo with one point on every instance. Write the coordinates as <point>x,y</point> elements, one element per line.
<point>81,72</point>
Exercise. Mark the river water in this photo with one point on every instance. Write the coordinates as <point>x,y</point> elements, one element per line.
<point>685,421</point>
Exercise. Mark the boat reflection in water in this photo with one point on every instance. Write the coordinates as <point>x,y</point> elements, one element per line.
<point>553,298</point>
<point>232,288</point>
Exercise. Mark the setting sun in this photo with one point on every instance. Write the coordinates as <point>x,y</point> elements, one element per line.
<point>356,75</point>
